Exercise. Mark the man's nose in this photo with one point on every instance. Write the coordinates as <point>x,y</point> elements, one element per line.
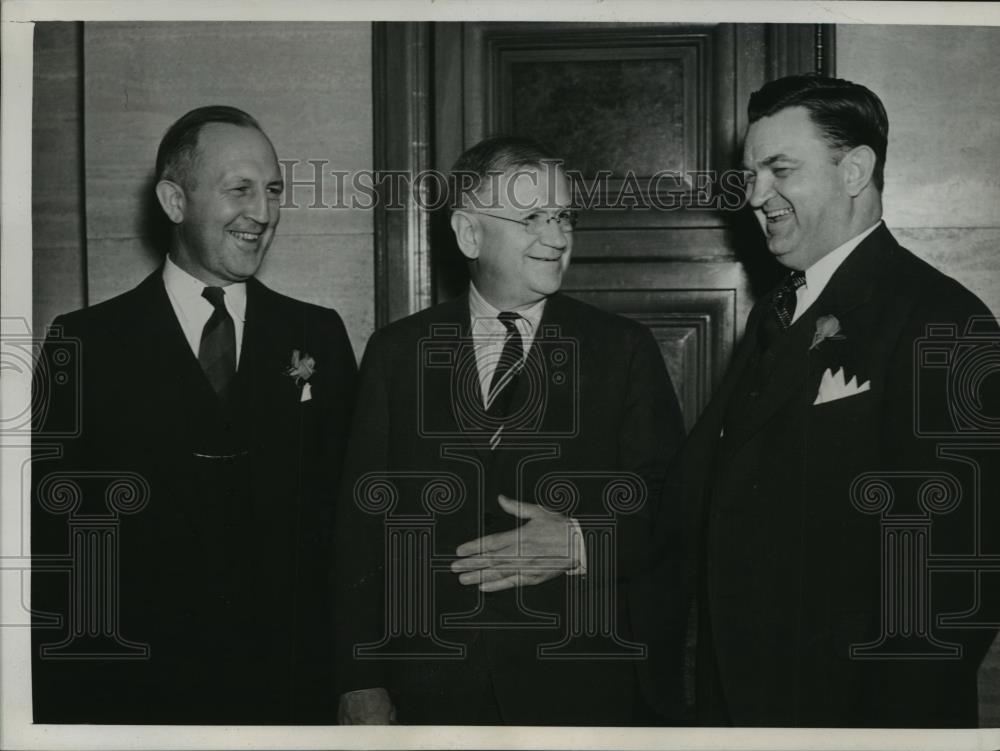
<point>758,192</point>
<point>553,235</point>
<point>259,208</point>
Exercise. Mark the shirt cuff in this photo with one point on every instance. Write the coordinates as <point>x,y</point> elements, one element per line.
<point>580,550</point>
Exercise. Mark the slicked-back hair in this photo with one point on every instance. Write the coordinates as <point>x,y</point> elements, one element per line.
<point>848,114</point>
<point>494,156</point>
<point>178,149</point>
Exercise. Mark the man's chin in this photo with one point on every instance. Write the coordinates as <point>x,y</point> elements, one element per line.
<point>549,286</point>
<point>782,250</point>
<point>236,274</point>
<point>791,259</point>
<point>245,265</point>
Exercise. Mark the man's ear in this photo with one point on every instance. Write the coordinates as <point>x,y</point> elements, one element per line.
<point>859,167</point>
<point>466,231</point>
<point>172,200</point>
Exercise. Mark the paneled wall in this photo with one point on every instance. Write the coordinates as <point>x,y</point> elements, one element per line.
<point>309,85</point>
<point>942,195</point>
<point>58,281</point>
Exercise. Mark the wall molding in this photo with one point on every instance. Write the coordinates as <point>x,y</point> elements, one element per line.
<point>402,122</point>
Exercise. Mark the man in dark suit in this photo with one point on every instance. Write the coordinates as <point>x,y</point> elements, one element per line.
<point>813,469</point>
<point>192,508</point>
<point>500,482</point>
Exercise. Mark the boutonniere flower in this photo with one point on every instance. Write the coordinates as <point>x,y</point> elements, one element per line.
<point>827,327</point>
<point>301,370</point>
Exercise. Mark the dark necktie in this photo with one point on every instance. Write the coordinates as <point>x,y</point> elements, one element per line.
<point>779,317</point>
<point>217,352</point>
<point>504,380</point>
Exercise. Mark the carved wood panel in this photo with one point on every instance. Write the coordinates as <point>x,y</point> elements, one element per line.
<point>643,116</point>
<point>696,330</point>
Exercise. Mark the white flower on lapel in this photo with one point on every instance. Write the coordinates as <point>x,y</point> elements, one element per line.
<point>827,327</point>
<point>301,370</point>
<point>833,387</point>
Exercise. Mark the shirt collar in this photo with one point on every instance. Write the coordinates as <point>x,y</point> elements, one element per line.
<point>187,289</point>
<point>479,308</point>
<point>820,272</point>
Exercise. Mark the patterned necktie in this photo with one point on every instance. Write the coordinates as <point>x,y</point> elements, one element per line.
<point>508,366</point>
<point>217,351</point>
<point>785,299</point>
<point>779,317</point>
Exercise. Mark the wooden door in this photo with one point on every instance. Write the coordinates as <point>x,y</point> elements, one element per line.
<point>648,118</point>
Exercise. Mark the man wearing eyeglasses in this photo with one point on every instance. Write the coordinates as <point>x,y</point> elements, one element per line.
<point>506,456</point>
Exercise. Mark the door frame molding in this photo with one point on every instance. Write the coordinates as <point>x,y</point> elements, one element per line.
<point>402,121</point>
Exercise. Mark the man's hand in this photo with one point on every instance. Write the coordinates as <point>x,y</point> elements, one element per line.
<point>368,706</point>
<point>539,550</point>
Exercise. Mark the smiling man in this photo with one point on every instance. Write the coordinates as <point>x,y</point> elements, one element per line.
<point>502,425</point>
<point>796,595</point>
<point>226,406</point>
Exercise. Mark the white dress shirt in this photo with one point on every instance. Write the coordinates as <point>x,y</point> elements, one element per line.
<point>818,275</point>
<point>488,337</point>
<point>193,310</point>
<point>489,334</point>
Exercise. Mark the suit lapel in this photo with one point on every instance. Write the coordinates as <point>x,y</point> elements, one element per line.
<point>270,396</point>
<point>708,425</point>
<point>448,399</point>
<point>790,368</point>
<point>557,324</point>
<point>154,334</point>
<point>797,365</point>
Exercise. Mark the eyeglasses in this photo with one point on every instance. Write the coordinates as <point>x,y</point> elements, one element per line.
<point>536,222</point>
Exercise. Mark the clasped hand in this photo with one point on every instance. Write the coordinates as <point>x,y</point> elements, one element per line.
<point>538,550</point>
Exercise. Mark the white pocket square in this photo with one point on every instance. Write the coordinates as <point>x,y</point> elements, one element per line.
<point>833,387</point>
<point>307,393</point>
